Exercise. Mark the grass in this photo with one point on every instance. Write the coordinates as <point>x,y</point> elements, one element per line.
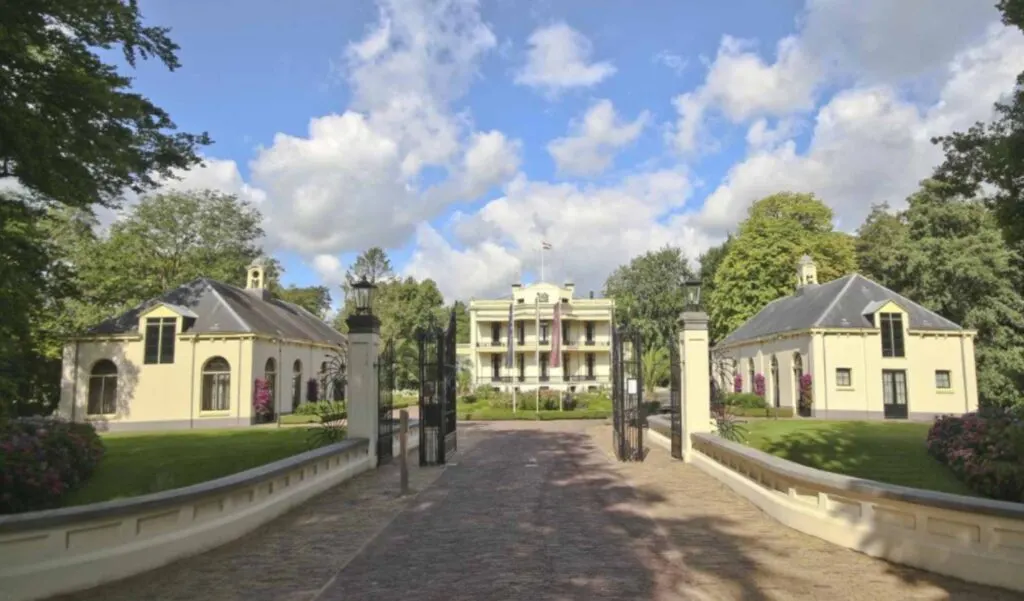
<point>482,410</point>
<point>888,452</point>
<point>141,463</point>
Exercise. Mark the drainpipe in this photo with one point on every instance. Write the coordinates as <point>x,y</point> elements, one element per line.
<point>963,375</point>
<point>192,389</point>
<point>74,383</point>
<point>238,394</point>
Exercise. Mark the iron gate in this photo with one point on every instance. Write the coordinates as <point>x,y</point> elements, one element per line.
<point>676,395</point>
<point>627,395</point>
<point>438,376</point>
<point>385,403</point>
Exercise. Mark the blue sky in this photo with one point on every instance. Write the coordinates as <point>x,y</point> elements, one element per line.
<point>431,127</point>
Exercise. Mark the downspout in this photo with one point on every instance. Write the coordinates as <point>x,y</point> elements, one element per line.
<point>867,391</point>
<point>192,389</point>
<point>74,383</point>
<point>238,394</point>
<point>963,375</point>
<point>277,382</point>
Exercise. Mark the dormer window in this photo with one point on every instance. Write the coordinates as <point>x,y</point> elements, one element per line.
<point>891,325</point>
<point>160,333</point>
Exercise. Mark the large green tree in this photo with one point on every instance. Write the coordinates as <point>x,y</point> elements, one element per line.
<point>315,299</point>
<point>881,244</point>
<point>461,322</point>
<point>987,160</point>
<point>648,293</point>
<point>760,265</point>
<point>709,261</point>
<point>71,128</point>
<point>947,253</point>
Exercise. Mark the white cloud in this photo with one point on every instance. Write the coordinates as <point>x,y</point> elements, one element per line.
<point>591,147</point>
<point>592,228</point>
<point>329,268</point>
<point>870,43</point>
<point>671,60</point>
<point>559,58</point>
<point>870,145</point>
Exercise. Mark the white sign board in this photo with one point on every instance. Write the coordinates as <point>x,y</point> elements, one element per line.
<point>631,386</point>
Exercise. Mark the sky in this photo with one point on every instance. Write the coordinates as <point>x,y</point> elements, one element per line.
<point>460,134</point>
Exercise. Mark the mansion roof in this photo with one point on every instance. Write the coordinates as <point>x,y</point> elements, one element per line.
<point>843,303</point>
<point>216,307</point>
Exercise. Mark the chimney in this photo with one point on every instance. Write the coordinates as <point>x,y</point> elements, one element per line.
<point>806,273</point>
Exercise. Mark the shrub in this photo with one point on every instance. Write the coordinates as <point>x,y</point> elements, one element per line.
<point>985,450</point>
<point>759,385</point>
<point>726,424</point>
<point>737,383</point>
<point>746,400</point>
<point>806,395</point>
<point>261,399</point>
<point>332,408</point>
<point>42,459</point>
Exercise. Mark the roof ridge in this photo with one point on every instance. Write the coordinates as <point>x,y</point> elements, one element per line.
<point>210,283</point>
<point>915,303</point>
<point>835,299</point>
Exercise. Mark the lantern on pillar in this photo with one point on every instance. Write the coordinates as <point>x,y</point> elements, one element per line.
<point>363,292</point>
<point>692,289</point>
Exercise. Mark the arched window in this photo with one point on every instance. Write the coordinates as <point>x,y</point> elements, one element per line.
<point>775,382</point>
<point>296,384</point>
<point>216,385</point>
<point>270,375</point>
<point>750,375</point>
<point>102,388</point>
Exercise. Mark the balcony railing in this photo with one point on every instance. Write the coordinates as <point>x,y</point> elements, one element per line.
<point>490,343</point>
<point>545,378</point>
<point>494,379</point>
<point>585,378</point>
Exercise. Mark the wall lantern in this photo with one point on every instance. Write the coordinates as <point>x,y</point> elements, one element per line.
<point>363,291</point>
<point>692,288</point>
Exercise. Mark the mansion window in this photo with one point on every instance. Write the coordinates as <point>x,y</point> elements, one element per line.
<point>160,340</point>
<point>943,381</point>
<point>216,385</point>
<point>892,334</point>
<point>102,388</point>
<point>844,377</point>
<point>590,365</point>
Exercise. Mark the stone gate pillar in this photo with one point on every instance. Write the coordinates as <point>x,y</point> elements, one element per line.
<point>693,343</point>
<point>363,349</point>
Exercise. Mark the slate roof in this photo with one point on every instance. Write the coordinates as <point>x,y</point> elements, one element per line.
<point>842,303</point>
<point>221,308</point>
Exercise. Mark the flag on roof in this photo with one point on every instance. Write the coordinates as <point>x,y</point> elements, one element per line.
<point>545,245</point>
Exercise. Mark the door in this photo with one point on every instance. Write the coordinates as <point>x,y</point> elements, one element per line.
<point>894,393</point>
<point>495,368</point>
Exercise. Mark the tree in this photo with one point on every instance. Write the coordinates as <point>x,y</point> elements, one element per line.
<point>71,129</point>
<point>656,368</point>
<point>761,263</point>
<point>959,265</point>
<point>373,264</point>
<point>709,262</point>
<point>315,299</point>
<point>461,322</point>
<point>649,293</point>
<point>989,158</point>
<point>882,245</point>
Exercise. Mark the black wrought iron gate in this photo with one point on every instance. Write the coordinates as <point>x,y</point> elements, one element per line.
<point>385,403</point>
<point>438,378</point>
<point>676,396</point>
<point>628,417</point>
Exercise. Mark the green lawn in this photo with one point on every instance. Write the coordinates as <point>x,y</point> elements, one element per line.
<point>481,409</point>
<point>140,463</point>
<point>884,451</point>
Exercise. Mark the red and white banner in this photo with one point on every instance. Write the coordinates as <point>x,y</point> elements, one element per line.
<point>556,340</point>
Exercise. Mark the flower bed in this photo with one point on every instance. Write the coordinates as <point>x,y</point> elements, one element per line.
<point>985,450</point>
<point>42,459</point>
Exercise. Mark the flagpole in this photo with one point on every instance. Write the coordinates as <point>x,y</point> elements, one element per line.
<point>542,262</point>
<point>536,314</point>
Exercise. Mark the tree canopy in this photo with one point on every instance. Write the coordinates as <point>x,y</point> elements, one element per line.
<point>648,293</point>
<point>760,265</point>
<point>71,128</point>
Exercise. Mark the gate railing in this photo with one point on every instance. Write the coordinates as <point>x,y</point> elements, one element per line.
<point>385,403</point>
<point>628,419</point>
<point>676,396</point>
<point>438,375</point>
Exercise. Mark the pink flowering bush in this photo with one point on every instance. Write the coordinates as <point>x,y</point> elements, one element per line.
<point>737,383</point>
<point>41,459</point>
<point>261,402</point>
<point>759,385</point>
<point>806,394</point>
<point>984,449</point>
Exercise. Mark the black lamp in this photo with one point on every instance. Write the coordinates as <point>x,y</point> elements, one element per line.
<point>692,287</point>
<point>363,292</point>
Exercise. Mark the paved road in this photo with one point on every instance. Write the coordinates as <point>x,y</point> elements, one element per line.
<point>536,511</point>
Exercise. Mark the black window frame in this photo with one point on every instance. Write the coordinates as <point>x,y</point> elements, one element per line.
<point>891,325</point>
<point>591,360</point>
<point>495,331</point>
<point>161,333</point>
<point>949,379</point>
<point>848,373</point>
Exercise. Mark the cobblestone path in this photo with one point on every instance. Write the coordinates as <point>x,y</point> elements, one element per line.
<point>537,511</point>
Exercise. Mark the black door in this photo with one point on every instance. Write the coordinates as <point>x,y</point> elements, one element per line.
<point>894,393</point>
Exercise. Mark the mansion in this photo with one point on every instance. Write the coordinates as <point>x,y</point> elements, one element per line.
<point>584,338</point>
